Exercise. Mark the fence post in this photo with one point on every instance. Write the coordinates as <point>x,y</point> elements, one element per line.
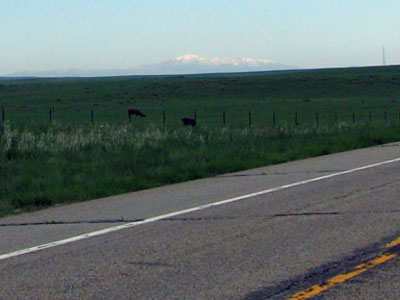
<point>223,118</point>
<point>273,119</point>
<point>249,118</point>
<point>91,116</point>
<point>163,117</point>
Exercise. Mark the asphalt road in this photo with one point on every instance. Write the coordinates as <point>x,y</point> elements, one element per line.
<point>267,246</point>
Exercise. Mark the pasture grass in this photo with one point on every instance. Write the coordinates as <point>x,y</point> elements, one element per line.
<point>326,92</point>
<point>47,164</point>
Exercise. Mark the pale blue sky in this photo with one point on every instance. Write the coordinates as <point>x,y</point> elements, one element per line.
<point>103,34</point>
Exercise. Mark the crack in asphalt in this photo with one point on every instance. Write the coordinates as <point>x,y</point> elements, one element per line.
<point>383,185</point>
<point>147,264</point>
<point>71,222</point>
<point>253,217</point>
<point>278,215</point>
<point>372,188</point>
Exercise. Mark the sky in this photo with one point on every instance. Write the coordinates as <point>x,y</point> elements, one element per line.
<point>39,35</point>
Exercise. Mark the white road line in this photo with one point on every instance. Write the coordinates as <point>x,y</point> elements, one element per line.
<point>185,211</point>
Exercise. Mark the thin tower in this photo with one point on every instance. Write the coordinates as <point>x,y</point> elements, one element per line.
<point>383,56</point>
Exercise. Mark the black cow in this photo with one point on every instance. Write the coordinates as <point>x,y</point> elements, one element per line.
<point>189,122</point>
<point>135,112</point>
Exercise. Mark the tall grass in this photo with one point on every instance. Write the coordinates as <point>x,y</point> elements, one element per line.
<point>42,165</point>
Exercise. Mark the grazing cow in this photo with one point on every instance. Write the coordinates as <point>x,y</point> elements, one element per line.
<point>135,112</point>
<point>189,122</point>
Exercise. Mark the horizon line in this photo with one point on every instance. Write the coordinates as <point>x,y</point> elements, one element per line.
<point>21,77</point>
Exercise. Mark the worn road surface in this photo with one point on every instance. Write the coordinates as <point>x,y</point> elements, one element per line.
<point>325,227</point>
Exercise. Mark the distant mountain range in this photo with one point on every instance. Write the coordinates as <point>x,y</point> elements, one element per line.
<point>186,64</point>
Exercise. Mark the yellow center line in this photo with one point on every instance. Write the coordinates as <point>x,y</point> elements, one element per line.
<point>317,289</point>
<point>393,243</point>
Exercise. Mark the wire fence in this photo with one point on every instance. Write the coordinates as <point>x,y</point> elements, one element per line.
<point>211,118</point>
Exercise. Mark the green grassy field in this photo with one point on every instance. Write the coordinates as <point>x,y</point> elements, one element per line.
<point>71,159</point>
<point>327,92</point>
